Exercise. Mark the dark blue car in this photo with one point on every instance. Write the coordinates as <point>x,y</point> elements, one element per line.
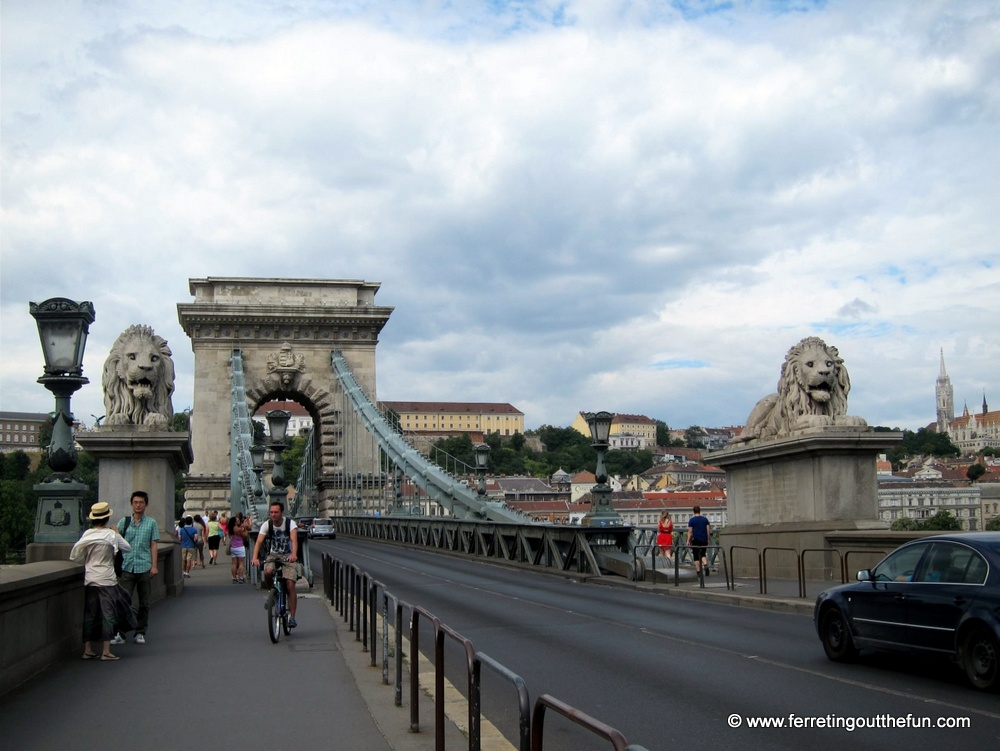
<point>937,595</point>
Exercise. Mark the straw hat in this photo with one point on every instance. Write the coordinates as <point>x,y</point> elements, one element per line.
<point>99,511</point>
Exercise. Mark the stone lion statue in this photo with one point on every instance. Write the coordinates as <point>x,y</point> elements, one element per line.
<point>138,380</point>
<point>812,392</point>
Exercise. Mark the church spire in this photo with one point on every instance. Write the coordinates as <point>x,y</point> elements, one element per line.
<point>945,399</point>
<point>985,408</point>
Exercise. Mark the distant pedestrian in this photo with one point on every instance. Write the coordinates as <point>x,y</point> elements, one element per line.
<point>107,607</point>
<point>199,522</point>
<point>699,532</point>
<point>665,535</point>
<point>237,551</point>
<point>214,537</point>
<point>189,544</point>
<point>140,563</point>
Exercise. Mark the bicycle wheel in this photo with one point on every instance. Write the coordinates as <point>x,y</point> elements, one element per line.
<point>274,619</point>
<point>285,615</point>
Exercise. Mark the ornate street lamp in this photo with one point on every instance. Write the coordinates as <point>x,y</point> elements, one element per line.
<point>602,513</point>
<point>63,326</point>
<point>257,452</point>
<point>482,459</point>
<point>277,424</point>
<point>397,486</point>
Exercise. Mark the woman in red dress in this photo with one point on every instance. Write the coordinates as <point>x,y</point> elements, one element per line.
<point>665,535</point>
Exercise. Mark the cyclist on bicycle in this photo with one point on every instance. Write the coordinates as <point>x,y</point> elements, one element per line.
<point>284,546</point>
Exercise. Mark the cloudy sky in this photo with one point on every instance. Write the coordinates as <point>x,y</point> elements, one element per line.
<point>580,205</point>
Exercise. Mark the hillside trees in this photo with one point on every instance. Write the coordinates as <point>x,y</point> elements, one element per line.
<point>923,442</point>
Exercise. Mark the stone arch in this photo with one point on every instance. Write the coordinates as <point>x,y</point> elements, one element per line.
<point>325,413</point>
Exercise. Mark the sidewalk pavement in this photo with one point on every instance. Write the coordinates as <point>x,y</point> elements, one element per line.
<point>209,674</point>
<point>782,595</point>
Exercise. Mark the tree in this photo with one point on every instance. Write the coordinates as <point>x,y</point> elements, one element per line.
<point>695,437</point>
<point>993,525</point>
<point>975,471</point>
<point>14,466</point>
<point>905,524</point>
<point>182,421</point>
<point>292,458</point>
<point>17,517</point>
<point>922,443</point>
<point>662,433</point>
<point>942,521</point>
<point>622,463</point>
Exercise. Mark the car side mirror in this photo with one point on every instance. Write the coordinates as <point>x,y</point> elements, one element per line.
<point>865,575</point>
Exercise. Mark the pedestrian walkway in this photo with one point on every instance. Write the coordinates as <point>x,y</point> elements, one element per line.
<point>781,595</point>
<point>208,675</point>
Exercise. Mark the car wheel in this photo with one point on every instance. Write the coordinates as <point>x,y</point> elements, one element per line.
<point>980,653</point>
<point>837,641</point>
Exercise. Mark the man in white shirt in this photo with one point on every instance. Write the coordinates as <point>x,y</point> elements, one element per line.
<point>284,545</point>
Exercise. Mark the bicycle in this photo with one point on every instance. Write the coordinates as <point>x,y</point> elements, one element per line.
<point>277,605</point>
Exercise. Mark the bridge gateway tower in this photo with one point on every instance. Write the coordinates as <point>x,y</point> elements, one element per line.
<point>286,330</point>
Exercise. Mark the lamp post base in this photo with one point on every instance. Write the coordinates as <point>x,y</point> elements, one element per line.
<point>58,520</point>
<point>602,513</point>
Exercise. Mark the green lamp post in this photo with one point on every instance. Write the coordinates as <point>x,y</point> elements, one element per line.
<point>602,513</point>
<point>482,459</point>
<point>63,326</point>
<point>277,424</point>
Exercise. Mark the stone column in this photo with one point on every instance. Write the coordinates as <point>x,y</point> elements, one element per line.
<point>138,457</point>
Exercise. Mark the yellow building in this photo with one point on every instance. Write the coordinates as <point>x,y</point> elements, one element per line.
<point>457,417</point>
<point>628,432</point>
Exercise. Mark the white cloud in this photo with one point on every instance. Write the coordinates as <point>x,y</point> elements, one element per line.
<point>557,198</point>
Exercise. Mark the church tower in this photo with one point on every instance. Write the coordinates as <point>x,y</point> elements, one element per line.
<point>945,399</point>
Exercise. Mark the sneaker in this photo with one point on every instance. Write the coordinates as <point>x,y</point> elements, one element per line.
<point>269,602</point>
<point>292,623</point>
<point>241,580</point>
<point>235,580</point>
<point>186,575</point>
<point>140,638</point>
<point>119,639</point>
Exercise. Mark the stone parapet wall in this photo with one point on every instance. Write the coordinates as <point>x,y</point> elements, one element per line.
<point>41,612</point>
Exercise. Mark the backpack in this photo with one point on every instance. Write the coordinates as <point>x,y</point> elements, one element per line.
<point>269,540</point>
<point>120,554</point>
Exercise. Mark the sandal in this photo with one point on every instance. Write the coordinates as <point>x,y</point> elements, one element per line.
<point>89,656</point>
<point>108,658</point>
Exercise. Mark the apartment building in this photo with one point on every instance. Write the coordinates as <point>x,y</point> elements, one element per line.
<point>19,431</point>
<point>628,432</point>
<point>450,418</point>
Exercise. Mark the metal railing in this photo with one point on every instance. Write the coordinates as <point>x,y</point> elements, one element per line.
<point>353,593</point>
<point>841,568</point>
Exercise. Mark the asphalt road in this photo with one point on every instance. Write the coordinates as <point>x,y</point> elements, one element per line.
<point>672,672</point>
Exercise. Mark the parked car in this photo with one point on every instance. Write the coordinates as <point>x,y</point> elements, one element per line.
<point>323,528</point>
<point>304,523</point>
<point>938,595</point>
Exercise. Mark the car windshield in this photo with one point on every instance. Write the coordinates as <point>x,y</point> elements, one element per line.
<point>322,523</point>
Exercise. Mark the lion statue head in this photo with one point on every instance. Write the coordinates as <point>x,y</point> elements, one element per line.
<point>138,380</point>
<point>812,392</point>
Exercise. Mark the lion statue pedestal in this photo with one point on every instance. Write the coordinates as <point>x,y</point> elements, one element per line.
<point>802,467</point>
